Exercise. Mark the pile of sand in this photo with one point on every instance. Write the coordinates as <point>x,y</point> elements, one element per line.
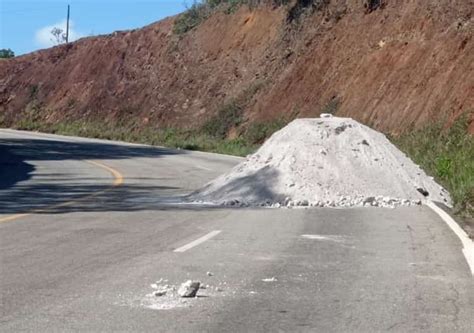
<point>326,162</point>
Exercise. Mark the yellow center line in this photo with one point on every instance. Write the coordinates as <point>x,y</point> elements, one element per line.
<point>118,180</point>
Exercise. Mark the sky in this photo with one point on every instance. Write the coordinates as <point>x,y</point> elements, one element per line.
<point>25,25</point>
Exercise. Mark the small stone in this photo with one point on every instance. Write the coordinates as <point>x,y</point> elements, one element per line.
<point>189,288</point>
<point>387,200</point>
<point>272,279</point>
<point>424,192</point>
<point>325,115</point>
<point>219,289</point>
<point>159,293</point>
<point>209,274</point>
<point>154,286</point>
<point>304,203</point>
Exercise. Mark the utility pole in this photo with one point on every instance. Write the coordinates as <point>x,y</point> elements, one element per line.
<point>67,25</point>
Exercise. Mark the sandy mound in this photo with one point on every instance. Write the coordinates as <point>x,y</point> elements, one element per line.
<point>327,162</point>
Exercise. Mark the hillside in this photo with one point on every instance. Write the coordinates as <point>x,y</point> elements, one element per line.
<point>393,66</point>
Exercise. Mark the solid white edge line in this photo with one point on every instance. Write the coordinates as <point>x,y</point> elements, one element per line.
<point>468,245</point>
<point>198,241</point>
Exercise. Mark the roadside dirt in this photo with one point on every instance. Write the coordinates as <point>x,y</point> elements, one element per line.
<point>401,66</point>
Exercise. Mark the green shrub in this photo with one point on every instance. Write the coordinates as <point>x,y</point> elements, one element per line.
<point>257,132</point>
<point>6,53</point>
<point>303,6</point>
<point>447,155</point>
<point>33,91</point>
<point>371,5</point>
<point>228,116</point>
<point>332,106</point>
<point>191,18</point>
<point>200,11</point>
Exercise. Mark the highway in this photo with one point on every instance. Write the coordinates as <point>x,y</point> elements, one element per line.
<point>86,226</point>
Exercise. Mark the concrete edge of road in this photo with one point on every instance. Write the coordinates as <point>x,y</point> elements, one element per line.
<point>467,243</point>
<point>123,143</point>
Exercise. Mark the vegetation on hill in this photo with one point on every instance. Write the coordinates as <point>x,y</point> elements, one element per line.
<point>200,11</point>
<point>6,53</point>
<point>447,155</point>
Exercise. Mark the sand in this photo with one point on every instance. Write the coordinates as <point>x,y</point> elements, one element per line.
<point>325,162</point>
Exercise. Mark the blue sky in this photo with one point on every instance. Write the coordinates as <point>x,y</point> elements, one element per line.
<point>25,25</point>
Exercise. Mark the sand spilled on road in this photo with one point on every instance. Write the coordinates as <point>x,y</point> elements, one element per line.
<point>325,162</point>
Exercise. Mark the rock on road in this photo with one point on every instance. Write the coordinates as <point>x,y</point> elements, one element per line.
<point>87,225</point>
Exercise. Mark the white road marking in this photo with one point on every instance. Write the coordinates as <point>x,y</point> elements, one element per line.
<point>202,168</point>
<point>468,245</point>
<point>332,238</point>
<point>198,241</point>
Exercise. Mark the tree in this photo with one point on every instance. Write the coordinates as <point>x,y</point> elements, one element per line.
<point>59,37</point>
<point>6,53</point>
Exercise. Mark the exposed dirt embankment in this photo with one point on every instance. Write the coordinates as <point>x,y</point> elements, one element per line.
<point>405,64</point>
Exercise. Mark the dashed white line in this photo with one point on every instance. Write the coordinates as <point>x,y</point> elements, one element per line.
<point>333,238</point>
<point>203,168</point>
<point>198,241</point>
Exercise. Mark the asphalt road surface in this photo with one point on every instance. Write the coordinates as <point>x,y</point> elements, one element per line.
<point>86,226</point>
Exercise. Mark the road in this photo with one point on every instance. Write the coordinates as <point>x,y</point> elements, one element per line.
<point>87,225</point>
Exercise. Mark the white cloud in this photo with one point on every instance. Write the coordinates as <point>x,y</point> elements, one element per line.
<point>44,38</point>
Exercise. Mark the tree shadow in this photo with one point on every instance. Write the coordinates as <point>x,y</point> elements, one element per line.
<point>88,194</point>
<point>17,195</point>
<point>50,150</point>
<point>13,168</point>
<point>67,198</point>
<point>15,152</point>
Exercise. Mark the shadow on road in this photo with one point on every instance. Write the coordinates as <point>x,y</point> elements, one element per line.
<point>83,198</point>
<point>17,196</point>
<point>245,187</point>
<point>86,194</point>
<point>13,168</point>
<point>48,150</point>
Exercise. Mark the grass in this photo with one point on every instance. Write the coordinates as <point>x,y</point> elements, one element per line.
<point>211,137</point>
<point>231,114</point>
<point>249,141</point>
<point>257,132</point>
<point>448,156</point>
<point>169,137</point>
<point>332,106</point>
<point>228,116</point>
<point>199,11</point>
<point>192,17</point>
